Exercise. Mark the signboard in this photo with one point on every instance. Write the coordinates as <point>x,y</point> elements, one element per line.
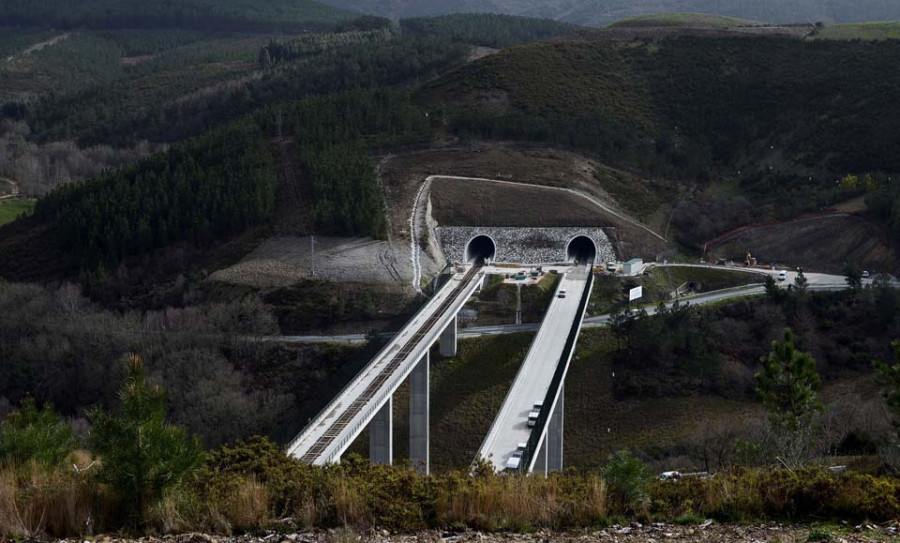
<point>635,293</point>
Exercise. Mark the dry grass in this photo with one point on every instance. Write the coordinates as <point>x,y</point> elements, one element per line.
<point>35,500</point>
<point>248,506</point>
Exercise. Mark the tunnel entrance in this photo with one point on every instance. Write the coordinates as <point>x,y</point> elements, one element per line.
<point>581,250</point>
<point>480,247</point>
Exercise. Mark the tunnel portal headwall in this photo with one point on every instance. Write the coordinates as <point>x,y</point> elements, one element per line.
<point>523,245</point>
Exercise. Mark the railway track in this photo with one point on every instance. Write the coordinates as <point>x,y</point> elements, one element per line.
<point>344,420</point>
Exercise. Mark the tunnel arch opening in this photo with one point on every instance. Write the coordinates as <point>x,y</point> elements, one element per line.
<point>481,246</point>
<point>581,250</point>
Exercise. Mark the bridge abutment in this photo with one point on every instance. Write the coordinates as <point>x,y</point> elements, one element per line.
<point>419,412</point>
<point>381,435</point>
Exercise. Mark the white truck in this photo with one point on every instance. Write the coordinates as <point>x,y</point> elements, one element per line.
<point>534,414</point>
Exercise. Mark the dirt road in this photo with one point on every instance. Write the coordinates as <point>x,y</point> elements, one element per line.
<point>13,189</point>
<point>38,46</point>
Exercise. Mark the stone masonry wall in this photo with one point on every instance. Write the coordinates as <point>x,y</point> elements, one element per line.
<point>523,245</point>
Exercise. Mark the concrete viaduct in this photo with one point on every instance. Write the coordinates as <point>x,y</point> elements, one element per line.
<point>367,401</point>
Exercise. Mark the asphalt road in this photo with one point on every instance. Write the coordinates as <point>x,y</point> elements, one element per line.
<point>510,427</point>
<point>817,282</point>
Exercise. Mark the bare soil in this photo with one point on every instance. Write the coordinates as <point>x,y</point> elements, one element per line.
<point>402,175</point>
<point>825,243</point>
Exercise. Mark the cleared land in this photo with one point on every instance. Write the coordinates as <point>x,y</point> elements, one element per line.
<point>703,20</point>
<point>629,195</point>
<point>888,30</point>
<point>11,209</point>
<point>824,243</point>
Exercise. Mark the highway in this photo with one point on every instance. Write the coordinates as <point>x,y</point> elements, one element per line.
<point>510,427</point>
<point>328,435</point>
<point>817,282</point>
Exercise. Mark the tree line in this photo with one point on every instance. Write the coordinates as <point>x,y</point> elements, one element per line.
<point>206,188</point>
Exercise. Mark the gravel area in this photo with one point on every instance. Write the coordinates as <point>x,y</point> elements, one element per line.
<point>634,533</point>
<point>283,261</point>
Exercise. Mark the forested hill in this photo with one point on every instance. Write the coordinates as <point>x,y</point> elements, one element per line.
<point>604,12</point>
<point>193,14</point>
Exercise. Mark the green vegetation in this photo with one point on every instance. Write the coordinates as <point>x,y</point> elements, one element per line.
<point>217,185</point>
<point>660,283</point>
<point>486,29</point>
<point>227,14</point>
<point>680,108</point>
<point>887,30</point>
<point>703,20</point>
<point>33,434</point>
<point>10,210</point>
<point>143,456</point>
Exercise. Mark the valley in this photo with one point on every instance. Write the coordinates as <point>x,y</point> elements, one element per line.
<point>304,228</point>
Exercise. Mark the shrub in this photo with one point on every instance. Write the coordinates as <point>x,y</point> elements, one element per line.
<point>627,479</point>
<point>142,456</point>
<point>33,433</point>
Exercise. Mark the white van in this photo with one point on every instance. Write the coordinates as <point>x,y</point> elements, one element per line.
<point>782,275</point>
<point>515,460</point>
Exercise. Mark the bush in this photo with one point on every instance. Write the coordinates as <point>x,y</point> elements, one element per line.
<point>627,480</point>
<point>142,456</point>
<point>33,434</point>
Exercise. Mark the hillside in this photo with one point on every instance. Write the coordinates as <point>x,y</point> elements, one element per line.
<point>196,14</point>
<point>760,111</point>
<point>685,19</point>
<point>604,12</point>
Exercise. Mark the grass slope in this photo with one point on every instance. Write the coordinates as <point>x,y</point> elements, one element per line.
<point>11,209</point>
<point>703,20</point>
<point>888,30</point>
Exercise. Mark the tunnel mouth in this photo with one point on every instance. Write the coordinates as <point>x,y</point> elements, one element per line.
<point>480,247</point>
<point>581,250</point>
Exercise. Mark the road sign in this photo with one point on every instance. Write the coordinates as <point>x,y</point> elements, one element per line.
<point>635,293</point>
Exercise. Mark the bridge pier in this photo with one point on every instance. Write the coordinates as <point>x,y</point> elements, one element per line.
<point>381,435</point>
<point>419,412</point>
<point>448,339</point>
<point>540,462</point>
<point>555,434</point>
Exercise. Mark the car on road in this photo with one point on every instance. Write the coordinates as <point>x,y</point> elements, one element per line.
<point>562,294</point>
<point>535,413</point>
<point>611,266</point>
<point>782,275</point>
<point>865,274</point>
<point>515,460</point>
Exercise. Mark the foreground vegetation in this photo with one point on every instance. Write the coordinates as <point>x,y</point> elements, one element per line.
<point>166,484</point>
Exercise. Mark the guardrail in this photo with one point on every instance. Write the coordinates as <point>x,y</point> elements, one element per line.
<point>531,448</point>
<point>392,381</point>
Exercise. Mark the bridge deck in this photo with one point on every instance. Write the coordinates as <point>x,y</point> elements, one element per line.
<point>510,427</point>
<point>335,428</point>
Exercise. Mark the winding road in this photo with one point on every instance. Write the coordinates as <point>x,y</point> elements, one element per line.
<point>818,282</point>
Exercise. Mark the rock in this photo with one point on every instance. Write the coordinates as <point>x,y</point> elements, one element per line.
<point>624,531</point>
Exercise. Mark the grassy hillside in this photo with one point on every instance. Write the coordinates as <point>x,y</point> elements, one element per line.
<point>222,14</point>
<point>604,12</point>
<point>703,20</point>
<point>888,30</point>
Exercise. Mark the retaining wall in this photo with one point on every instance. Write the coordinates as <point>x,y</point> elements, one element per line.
<point>523,245</point>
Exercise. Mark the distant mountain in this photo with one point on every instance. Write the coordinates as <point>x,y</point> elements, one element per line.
<point>604,12</point>
<point>205,14</point>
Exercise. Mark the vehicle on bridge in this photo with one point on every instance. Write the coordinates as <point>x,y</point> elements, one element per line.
<point>535,413</point>
<point>516,459</point>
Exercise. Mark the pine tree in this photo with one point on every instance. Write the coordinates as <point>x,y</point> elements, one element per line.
<point>787,385</point>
